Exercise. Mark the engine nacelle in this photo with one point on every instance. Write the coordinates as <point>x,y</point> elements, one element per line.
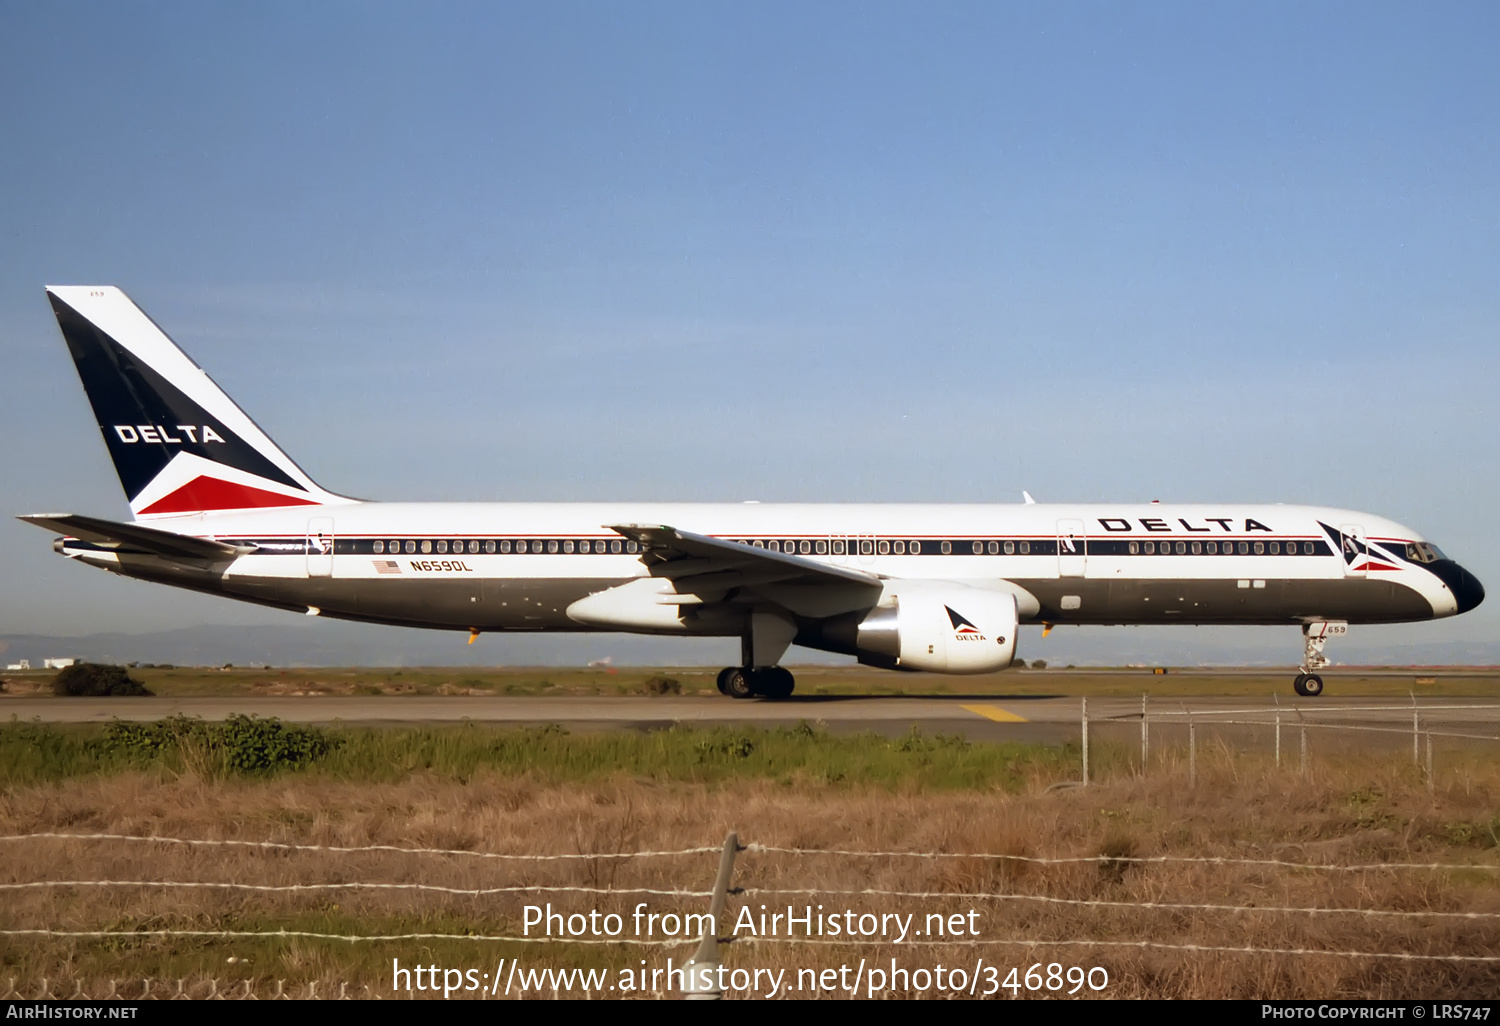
<point>943,630</point>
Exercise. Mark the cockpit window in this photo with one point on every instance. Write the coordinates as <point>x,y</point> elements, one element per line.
<point>1420,552</point>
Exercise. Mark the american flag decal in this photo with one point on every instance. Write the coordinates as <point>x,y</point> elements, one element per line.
<point>386,566</point>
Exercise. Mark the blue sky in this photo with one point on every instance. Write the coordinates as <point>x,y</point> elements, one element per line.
<point>787,252</point>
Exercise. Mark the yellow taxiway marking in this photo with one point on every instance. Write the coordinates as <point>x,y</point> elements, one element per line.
<point>994,712</point>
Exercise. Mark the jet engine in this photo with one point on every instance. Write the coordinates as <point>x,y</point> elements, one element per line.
<point>948,630</point>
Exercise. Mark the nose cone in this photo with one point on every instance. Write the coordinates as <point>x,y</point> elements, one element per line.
<point>1467,591</point>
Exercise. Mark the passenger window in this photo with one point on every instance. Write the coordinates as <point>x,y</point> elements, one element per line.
<point>838,547</point>
<point>1307,548</point>
<point>1260,548</point>
<point>822,548</point>
<point>614,547</point>
<point>900,547</point>
<point>489,546</point>
<point>865,548</point>
<point>411,546</point>
<point>568,546</point>
<point>978,548</point>
<point>1276,548</point>
<point>914,548</point>
<point>758,543</point>
<point>883,547</point>
<point>1010,548</point>
<point>442,548</point>
<point>1181,548</point>
<point>632,547</point>
<point>552,546</point>
<point>426,547</point>
<point>1197,548</point>
<point>1026,548</point>
<point>774,545</point>
<point>1213,548</point>
<point>947,547</point>
<point>1151,548</point>
<point>474,547</point>
<point>804,548</point>
<point>584,546</point>
<point>379,547</point>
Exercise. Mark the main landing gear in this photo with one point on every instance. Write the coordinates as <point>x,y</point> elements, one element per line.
<point>750,681</point>
<point>1307,683</point>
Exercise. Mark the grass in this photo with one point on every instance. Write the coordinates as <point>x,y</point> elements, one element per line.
<point>548,791</point>
<point>1353,811</point>
<point>33,753</point>
<point>191,682</point>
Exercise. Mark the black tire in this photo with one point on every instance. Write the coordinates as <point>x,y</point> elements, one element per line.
<point>1312,685</point>
<point>723,679</point>
<point>775,682</point>
<point>737,683</point>
<point>1297,684</point>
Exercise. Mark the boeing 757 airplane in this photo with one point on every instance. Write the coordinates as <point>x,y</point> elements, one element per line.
<point>217,507</point>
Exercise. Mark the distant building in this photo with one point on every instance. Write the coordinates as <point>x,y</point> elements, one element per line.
<point>24,664</point>
<point>58,664</point>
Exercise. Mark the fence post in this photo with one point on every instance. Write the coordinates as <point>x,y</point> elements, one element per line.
<point>1145,735</point>
<point>699,985</point>
<point>1085,741</point>
<point>1430,783</point>
<point>1304,748</point>
<point>1192,751</point>
<point>1416,755</point>
<point>1278,731</point>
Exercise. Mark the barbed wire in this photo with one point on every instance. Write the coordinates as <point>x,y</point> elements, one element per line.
<point>1102,903</point>
<point>354,885</point>
<point>349,937</point>
<point>948,942</point>
<point>285,846</point>
<point>1118,859</point>
<point>1143,944</point>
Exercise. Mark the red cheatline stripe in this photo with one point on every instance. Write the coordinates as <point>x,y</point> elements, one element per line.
<point>209,493</point>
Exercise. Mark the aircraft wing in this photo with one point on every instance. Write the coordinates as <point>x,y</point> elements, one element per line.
<point>135,538</point>
<point>698,564</point>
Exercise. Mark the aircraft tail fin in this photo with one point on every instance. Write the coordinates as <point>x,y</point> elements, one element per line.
<point>179,443</point>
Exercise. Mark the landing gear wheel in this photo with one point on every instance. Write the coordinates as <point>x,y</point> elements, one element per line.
<point>1311,685</point>
<point>774,682</point>
<point>723,680</point>
<point>736,683</point>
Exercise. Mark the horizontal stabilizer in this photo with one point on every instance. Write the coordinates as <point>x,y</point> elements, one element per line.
<point>135,538</point>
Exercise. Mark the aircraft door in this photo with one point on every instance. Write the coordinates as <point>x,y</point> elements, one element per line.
<point>866,548</point>
<point>320,547</point>
<point>1356,555</point>
<point>1072,548</point>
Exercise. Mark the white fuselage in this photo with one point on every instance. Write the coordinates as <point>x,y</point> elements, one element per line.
<point>461,565</point>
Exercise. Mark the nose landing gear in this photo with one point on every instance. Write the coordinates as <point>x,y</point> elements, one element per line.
<point>1307,683</point>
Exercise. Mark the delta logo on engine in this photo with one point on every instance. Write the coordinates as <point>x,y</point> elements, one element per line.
<point>963,630</point>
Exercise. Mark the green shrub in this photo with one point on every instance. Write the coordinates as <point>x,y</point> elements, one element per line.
<point>661,686</point>
<point>96,680</point>
<point>240,744</point>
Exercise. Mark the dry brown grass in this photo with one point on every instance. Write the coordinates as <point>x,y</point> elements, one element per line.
<point>1353,811</point>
